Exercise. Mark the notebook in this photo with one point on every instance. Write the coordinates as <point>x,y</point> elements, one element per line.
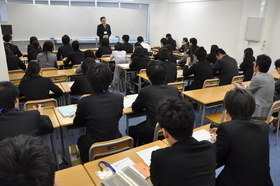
<point>67,111</point>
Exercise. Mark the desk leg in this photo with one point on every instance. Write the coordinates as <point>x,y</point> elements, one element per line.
<point>66,145</point>
<point>127,124</point>
<point>125,74</point>
<point>202,114</point>
<point>53,141</point>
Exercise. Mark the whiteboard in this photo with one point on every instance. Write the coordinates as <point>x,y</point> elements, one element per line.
<point>53,21</point>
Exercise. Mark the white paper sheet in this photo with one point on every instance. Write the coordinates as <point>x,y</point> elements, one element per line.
<point>146,154</point>
<point>70,84</point>
<point>124,65</point>
<point>202,135</point>
<point>128,100</point>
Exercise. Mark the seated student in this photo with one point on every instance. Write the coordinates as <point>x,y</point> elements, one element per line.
<point>74,57</point>
<point>127,46</point>
<point>33,86</point>
<point>88,56</point>
<point>172,57</point>
<point>13,62</point>
<point>163,42</point>
<point>63,51</point>
<point>170,67</point>
<point>185,43</point>
<point>193,44</point>
<point>30,46</point>
<point>140,40</point>
<point>26,160</point>
<point>188,55</point>
<point>119,54</point>
<point>277,92</point>
<point>212,56</point>
<point>145,50</point>
<point>171,41</point>
<point>104,48</point>
<point>33,53</point>
<point>226,66</point>
<point>186,161</point>
<point>46,58</point>
<point>247,64</point>
<point>262,86</point>
<point>100,112</point>
<point>242,144</point>
<point>149,98</point>
<point>15,122</point>
<point>202,70</point>
<point>139,60</point>
<point>14,48</point>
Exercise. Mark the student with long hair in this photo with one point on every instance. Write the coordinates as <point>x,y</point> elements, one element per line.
<point>33,53</point>
<point>212,56</point>
<point>31,46</point>
<point>185,43</point>
<point>13,62</point>
<point>188,56</point>
<point>247,64</point>
<point>171,41</point>
<point>46,58</point>
<point>76,56</point>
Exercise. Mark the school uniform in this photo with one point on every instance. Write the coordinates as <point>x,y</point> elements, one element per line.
<point>103,50</point>
<point>64,51</point>
<point>81,85</point>
<point>171,71</point>
<point>14,63</point>
<point>14,49</point>
<point>47,60</point>
<point>247,67</point>
<point>128,47</point>
<point>75,57</point>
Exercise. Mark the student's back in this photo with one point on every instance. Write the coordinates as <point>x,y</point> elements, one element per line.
<point>104,48</point>
<point>46,58</point>
<point>65,49</point>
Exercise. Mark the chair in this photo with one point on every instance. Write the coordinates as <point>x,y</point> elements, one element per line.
<point>180,85</point>
<point>158,132</point>
<point>142,71</point>
<point>101,149</point>
<point>48,69</point>
<point>211,83</point>
<point>45,103</point>
<point>58,78</point>
<point>19,71</point>
<point>15,81</point>
<point>237,79</point>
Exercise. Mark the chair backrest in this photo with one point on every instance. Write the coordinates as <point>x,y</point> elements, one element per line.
<point>237,79</point>
<point>101,149</point>
<point>45,103</point>
<point>106,55</point>
<point>84,95</point>
<point>15,81</point>
<point>75,66</point>
<point>58,78</point>
<point>158,132</point>
<point>48,69</point>
<point>142,71</point>
<point>211,83</point>
<point>274,108</point>
<point>19,71</point>
<point>180,85</point>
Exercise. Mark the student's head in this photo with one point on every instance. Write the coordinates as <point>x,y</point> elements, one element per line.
<point>105,42</point>
<point>7,37</point>
<point>262,64</point>
<point>26,160</point>
<point>277,65</point>
<point>185,40</point>
<point>156,72</point>
<point>168,36</point>
<point>86,64</point>
<point>140,39</point>
<point>163,54</point>
<point>213,49</point>
<point>9,94</point>
<point>163,42</point>
<point>65,39</point>
<point>35,44</point>
<point>220,53</point>
<point>33,38</point>
<point>103,20</point>
<point>48,46</point>
<point>239,104</point>
<point>125,38</point>
<point>248,52</point>
<point>176,117</point>
<point>200,54</point>
<point>193,41</point>
<point>138,51</point>
<point>89,53</point>
<point>75,45</point>
<point>32,70</point>
<point>118,46</point>
<point>99,77</point>
<point>169,48</point>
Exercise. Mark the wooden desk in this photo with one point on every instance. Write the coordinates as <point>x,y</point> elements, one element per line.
<point>60,63</point>
<point>275,74</point>
<point>67,86</point>
<point>74,176</point>
<point>23,59</point>
<point>92,166</point>
<point>107,60</point>
<point>50,112</point>
<point>230,86</point>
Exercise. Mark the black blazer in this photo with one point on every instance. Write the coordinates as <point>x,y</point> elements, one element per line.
<point>247,68</point>
<point>14,49</point>
<point>101,29</point>
<point>194,47</point>
<point>128,47</point>
<point>14,63</point>
<point>76,57</point>
<point>32,54</point>
<point>103,50</point>
<point>64,51</point>
<point>15,122</point>
<point>30,47</point>
<point>201,70</point>
<point>38,88</point>
<point>171,71</point>
<point>187,162</point>
<point>243,147</point>
<point>139,62</point>
<point>81,85</point>
<point>100,113</point>
<point>211,58</point>
<point>173,58</point>
<point>227,67</point>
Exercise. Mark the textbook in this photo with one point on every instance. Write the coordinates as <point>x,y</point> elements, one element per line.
<point>202,135</point>
<point>128,100</point>
<point>67,111</point>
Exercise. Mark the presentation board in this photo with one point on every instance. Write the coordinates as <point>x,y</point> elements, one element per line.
<point>53,21</point>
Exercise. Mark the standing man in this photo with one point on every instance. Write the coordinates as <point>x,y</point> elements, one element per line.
<point>103,30</point>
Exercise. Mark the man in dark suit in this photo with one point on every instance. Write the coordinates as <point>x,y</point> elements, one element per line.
<point>193,44</point>
<point>149,98</point>
<point>242,145</point>
<point>14,48</point>
<point>186,161</point>
<point>64,50</point>
<point>15,122</point>
<point>171,70</point>
<point>127,46</point>
<point>226,66</point>
<point>103,29</point>
<point>76,56</point>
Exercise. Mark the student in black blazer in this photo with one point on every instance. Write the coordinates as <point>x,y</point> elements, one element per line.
<point>149,98</point>
<point>171,41</point>
<point>13,62</point>
<point>100,112</point>
<point>185,161</point>
<point>201,70</point>
<point>34,87</point>
<point>242,145</point>
<point>36,49</point>
<point>248,63</point>
<point>103,30</point>
<point>139,59</point>
<point>104,48</point>
<point>76,56</point>
<point>15,122</point>
<point>63,51</point>
<point>127,46</point>
<point>170,67</point>
<point>14,48</point>
<point>30,46</point>
<point>193,44</point>
<point>212,56</point>
<point>172,57</point>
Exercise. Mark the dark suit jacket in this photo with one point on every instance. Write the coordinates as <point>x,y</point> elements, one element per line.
<point>81,85</point>
<point>32,54</point>
<point>14,49</point>
<point>211,58</point>
<point>14,63</point>
<point>243,147</point>
<point>38,88</point>
<point>227,67</point>
<point>103,50</point>
<point>128,47</point>
<point>173,58</point>
<point>247,68</point>
<point>100,113</point>
<point>201,70</point>
<point>30,47</point>
<point>139,62</point>
<point>15,122</point>
<point>187,162</point>
<point>101,29</point>
<point>64,51</point>
<point>194,47</point>
<point>76,57</point>
<point>171,71</point>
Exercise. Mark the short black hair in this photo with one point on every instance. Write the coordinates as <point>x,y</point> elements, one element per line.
<point>193,41</point>
<point>220,51</point>
<point>102,18</point>
<point>163,54</point>
<point>248,52</point>
<point>7,37</point>
<point>105,42</point>
<point>86,64</point>
<point>156,72</point>
<point>89,53</point>
<point>65,39</point>
<point>125,38</point>
<point>138,51</point>
<point>176,116</point>
<point>169,48</point>
<point>118,46</point>
<point>140,39</point>
<point>35,44</point>
<point>213,49</point>
<point>277,63</point>
<point>26,160</point>
<point>75,45</point>
<point>168,36</point>
<point>264,62</point>
<point>33,38</point>
<point>99,77</point>
<point>200,53</point>
<point>240,104</point>
<point>8,94</point>
<point>164,41</point>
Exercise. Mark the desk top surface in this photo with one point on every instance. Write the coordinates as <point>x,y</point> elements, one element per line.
<point>275,74</point>
<point>230,86</point>
<point>50,112</point>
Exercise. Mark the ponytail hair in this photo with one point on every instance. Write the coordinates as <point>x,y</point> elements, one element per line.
<point>32,69</point>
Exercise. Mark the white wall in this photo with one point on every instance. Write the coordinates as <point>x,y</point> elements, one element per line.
<point>3,65</point>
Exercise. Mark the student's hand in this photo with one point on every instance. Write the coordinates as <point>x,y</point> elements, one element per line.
<point>56,183</point>
<point>238,85</point>
<point>106,36</point>
<point>213,135</point>
<point>39,108</point>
